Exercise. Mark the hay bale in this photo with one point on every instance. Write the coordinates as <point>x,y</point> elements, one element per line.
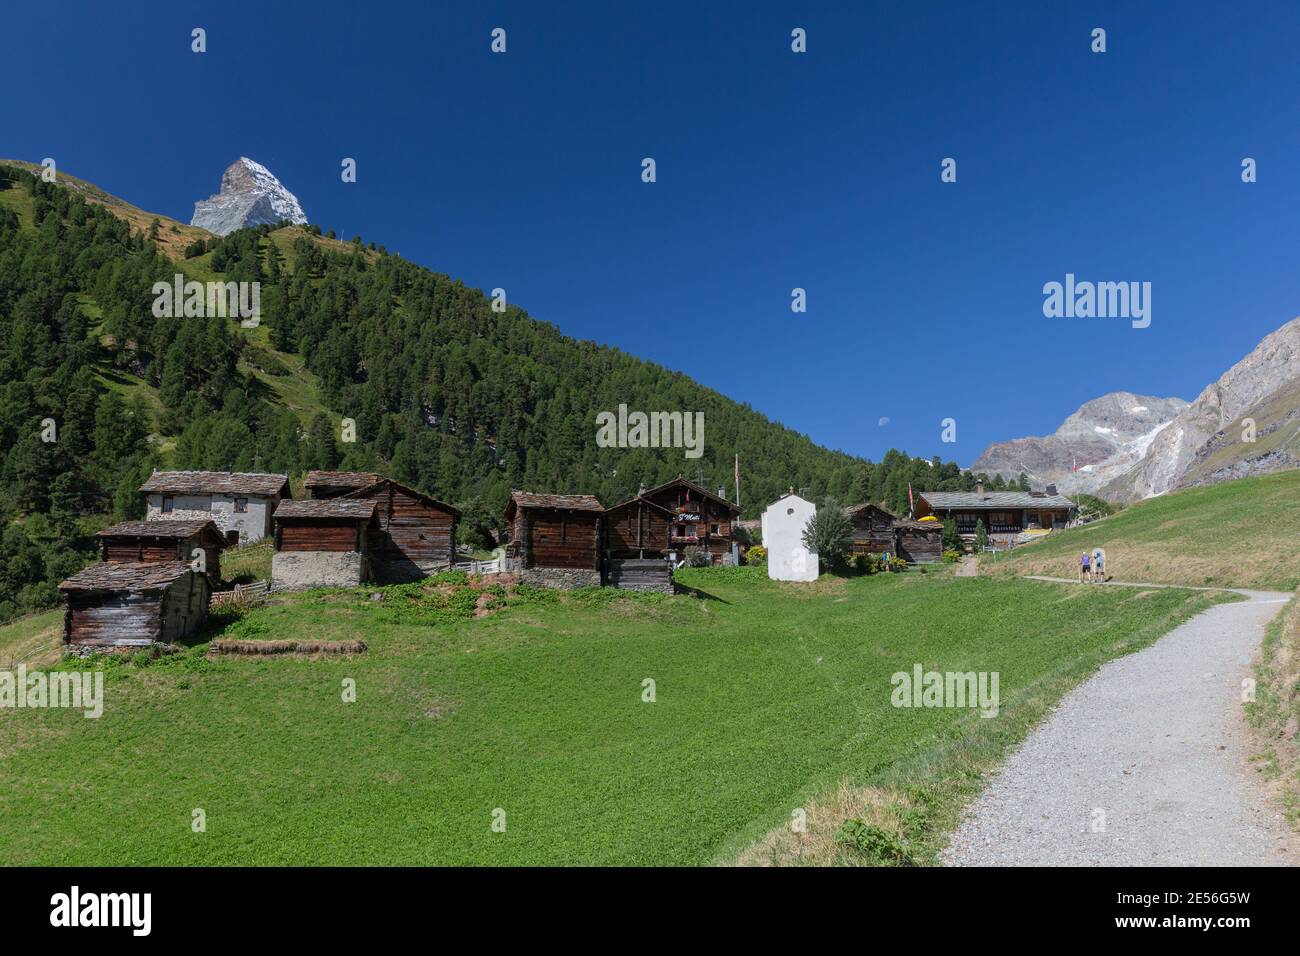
<point>229,646</point>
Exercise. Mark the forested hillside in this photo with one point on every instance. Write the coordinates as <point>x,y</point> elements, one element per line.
<point>447,394</point>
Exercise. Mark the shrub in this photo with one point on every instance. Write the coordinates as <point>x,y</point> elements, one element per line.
<point>951,556</point>
<point>879,846</point>
<point>897,564</point>
<point>757,555</point>
<point>981,535</point>
<point>829,534</point>
<point>951,539</point>
<point>697,557</point>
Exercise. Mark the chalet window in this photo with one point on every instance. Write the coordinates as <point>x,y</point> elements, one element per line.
<point>167,504</point>
<point>713,529</point>
<point>241,506</point>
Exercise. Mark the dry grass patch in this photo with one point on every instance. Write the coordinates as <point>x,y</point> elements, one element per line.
<point>815,834</point>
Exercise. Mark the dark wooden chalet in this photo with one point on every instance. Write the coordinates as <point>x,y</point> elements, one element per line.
<point>111,605</point>
<point>637,528</point>
<point>1004,513</point>
<point>415,535</point>
<point>322,543</point>
<point>873,529</point>
<point>334,484</point>
<point>918,541</point>
<point>701,518</point>
<point>554,531</point>
<point>876,531</point>
<point>137,542</point>
<point>635,546</point>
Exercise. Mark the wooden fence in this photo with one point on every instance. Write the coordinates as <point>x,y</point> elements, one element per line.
<point>242,595</point>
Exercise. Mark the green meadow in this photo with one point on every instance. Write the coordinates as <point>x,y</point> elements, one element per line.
<point>766,698</point>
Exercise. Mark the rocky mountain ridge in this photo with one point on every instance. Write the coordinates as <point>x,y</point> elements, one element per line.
<point>250,196</point>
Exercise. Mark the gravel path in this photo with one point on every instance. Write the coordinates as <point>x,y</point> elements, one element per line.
<point>1144,764</point>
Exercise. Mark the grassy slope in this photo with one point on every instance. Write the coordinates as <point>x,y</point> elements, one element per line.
<point>1275,712</point>
<point>766,696</point>
<point>173,235</point>
<point>1240,533</point>
<point>32,640</point>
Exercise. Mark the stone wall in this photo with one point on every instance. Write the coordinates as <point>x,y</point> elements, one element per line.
<point>560,577</point>
<point>296,570</point>
<point>252,525</point>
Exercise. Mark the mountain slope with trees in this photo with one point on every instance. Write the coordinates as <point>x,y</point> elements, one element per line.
<point>447,394</point>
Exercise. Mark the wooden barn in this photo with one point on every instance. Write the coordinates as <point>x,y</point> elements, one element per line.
<point>637,528</point>
<point>415,534</point>
<point>555,539</point>
<point>137,542</point>
<point>635,546</point>
<point>335,484</point>
<point>322,543</point>
<point>701,519</point>
<point>132,605</point>
<point>876,531</point>
<point>918,541</point>
<point>873,529</point>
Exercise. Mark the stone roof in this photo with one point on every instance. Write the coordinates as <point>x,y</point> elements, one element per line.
<point>907,524</point>
<point>147,576</point>
<point>365,491</point>
<point>178,528</point>
<point>345,508</point>
<point>994,500</point>
<point>341,479</point>
<point>215,482</point>
<point>527,499</point>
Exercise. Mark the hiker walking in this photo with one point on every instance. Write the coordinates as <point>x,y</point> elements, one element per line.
<point>1084,567</point>
<point>1098,565</point>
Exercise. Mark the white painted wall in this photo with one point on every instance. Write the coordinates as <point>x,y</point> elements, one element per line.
<point>252,525</point>
<point>783,524</point>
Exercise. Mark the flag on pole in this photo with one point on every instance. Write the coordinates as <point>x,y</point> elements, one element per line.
<point>911,505</point>
<point>737,478</point>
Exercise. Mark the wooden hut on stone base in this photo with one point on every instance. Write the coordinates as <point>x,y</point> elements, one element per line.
<point>635,546</point>
<point>116,606</point>
<point>322,544</point>
<point>555,539</point>
<point>138,542</point>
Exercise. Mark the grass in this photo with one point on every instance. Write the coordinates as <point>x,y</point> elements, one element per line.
<point>767,697</point>
<point>1275,712</point>
<point>247,563</point>
<point>32,640</point>
<point>1237,534</point>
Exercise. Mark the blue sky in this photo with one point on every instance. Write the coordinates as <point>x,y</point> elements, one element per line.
<point>775,170</point>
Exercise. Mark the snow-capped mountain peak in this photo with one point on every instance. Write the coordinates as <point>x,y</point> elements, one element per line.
<point>250,196</point>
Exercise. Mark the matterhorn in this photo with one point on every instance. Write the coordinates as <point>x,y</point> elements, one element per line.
<point>250,196</point>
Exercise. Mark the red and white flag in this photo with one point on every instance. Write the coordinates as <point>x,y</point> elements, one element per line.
<point>911,505</point>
